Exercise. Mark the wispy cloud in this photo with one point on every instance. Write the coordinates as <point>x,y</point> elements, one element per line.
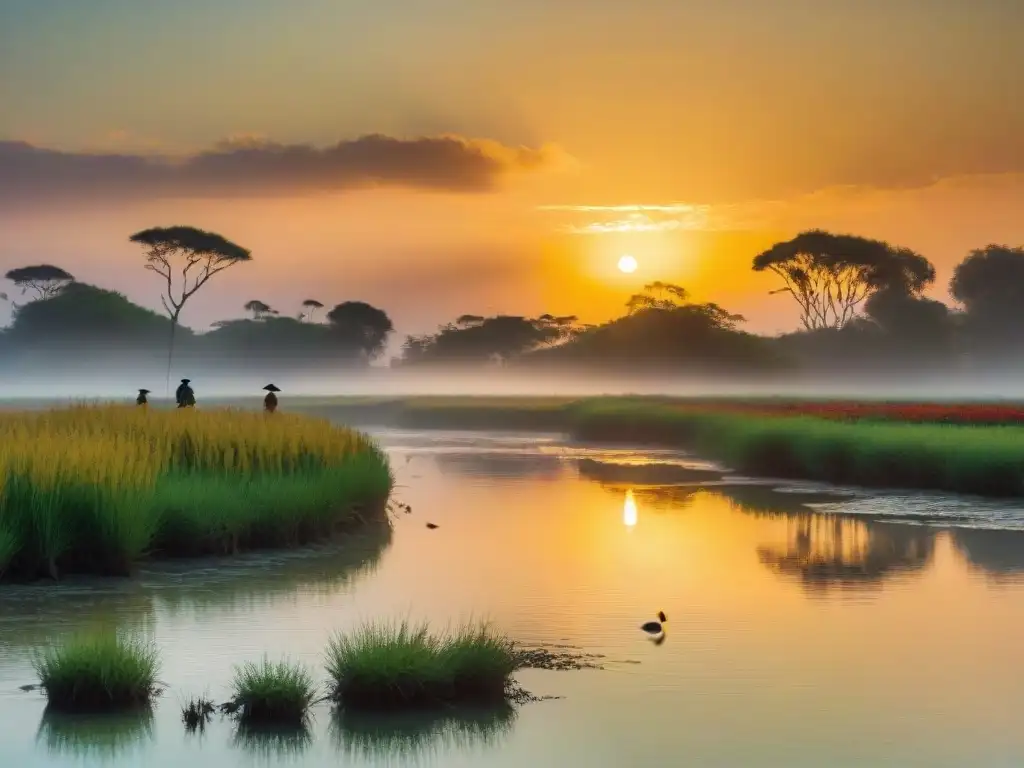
<point>648,217</point>
<point>817,208</point>
<point>247,166</point>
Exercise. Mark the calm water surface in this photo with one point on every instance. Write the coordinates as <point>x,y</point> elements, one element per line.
<point>803,631</point>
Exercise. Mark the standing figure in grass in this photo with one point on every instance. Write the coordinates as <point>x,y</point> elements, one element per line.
<point>270,401</point>
<point>184,395</point>
<point>141,399</point>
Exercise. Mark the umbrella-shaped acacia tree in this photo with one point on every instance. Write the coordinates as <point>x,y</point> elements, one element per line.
<point>186,258</point>
<point>311,305</point>
<point>830,276</point>
<point>45,279</point>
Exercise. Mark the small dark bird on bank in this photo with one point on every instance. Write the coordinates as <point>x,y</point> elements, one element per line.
<point>141,399</point>
<point>655,627</point>
<point>270,401</point>
<point>431,526</point>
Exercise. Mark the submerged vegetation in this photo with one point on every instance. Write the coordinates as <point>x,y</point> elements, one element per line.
<point>392,667</point>
<point>197,712</point>
<point>875,445</point>
<point>95,488</point>
<point>98,672</point>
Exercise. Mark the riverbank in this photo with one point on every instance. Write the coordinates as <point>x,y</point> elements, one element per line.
<point>95,489</point>
<point>870,452</point>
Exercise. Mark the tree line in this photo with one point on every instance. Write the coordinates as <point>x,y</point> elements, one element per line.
<point>861,304</point>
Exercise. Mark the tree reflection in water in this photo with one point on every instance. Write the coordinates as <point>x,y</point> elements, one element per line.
<point>827,551</point>
<point>998,553</point>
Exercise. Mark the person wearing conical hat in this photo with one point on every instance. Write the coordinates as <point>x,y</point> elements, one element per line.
<point>184,395</point>
<point>270,401</point>
<point>141,399</point>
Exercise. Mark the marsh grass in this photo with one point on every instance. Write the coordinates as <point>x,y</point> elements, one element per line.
<point>982,460</point>
<point>98,672</point>
<point>269,693</point>
<point>987,461</point>
<point>92,489</point>
<point>393,667</point>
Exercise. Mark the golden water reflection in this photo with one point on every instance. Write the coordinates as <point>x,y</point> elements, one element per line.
<point>629,510</point>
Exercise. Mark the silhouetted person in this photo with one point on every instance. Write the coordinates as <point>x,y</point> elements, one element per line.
<point>270,401</point>
<point>141,399</point>
<point>184,395</point>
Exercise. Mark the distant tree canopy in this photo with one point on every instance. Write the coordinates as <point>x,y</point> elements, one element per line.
<point>663,329</point>
<point>45,280</point>
<point>861,301</point>
<point>474,338</point>
<point>658,295</point>
<point>311,306</point>
<point>83,313</point>
<point>990,285</point>
<point>259,309</point>
<point>361,325</point>
<point>830,276</point>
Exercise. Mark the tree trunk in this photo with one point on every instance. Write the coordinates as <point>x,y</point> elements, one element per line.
<point>170,354</point>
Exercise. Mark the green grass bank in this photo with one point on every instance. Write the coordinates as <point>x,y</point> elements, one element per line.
<point>981,460</point>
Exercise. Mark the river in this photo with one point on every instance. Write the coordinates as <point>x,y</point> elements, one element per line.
<point>804,629</point>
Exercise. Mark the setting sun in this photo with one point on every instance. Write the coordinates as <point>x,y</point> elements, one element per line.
<point>627,264</point>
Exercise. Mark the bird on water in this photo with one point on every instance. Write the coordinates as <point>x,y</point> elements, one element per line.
<point>655,627</point>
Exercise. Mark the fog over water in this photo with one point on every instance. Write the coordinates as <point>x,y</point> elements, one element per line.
<point>122,379</point>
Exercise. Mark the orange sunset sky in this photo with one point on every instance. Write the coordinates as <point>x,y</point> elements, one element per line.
<point>515,150</point>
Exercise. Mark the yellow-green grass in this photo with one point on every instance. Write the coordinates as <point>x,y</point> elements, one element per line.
<point>98,672</point>
<point>983,460</point>
<point>94,488</point>
<point>399,666</point>
<point>270,693</point>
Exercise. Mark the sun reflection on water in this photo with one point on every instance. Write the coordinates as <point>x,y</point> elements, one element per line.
<point>629,511</point>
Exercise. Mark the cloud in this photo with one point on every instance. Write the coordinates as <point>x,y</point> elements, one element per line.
<point>817,208</point>
<point>663,217</point>
<point>246,166</point>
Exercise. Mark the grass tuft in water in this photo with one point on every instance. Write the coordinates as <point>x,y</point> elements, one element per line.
<point>272,693</point>
<point>196,713</point>
<point>98,672</point>
<point>394,667</point>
